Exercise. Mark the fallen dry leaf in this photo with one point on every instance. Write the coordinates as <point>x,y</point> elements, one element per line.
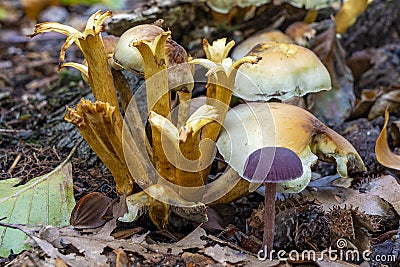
<point>330,196</point>
<point>389,100</point>
<point>382,150</point>
<point>387,188</point>
<point>224,254</point>
<point>363,105</point>
<point>89,211</point>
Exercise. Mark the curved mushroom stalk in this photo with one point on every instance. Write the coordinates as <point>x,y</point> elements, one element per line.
<point>183,147</point>
<point>248,127</point>
<point>91,44</point>
<point>271,165</point>
<point>219,86</point>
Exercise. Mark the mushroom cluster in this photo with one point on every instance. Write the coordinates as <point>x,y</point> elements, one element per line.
<point>274,144</point>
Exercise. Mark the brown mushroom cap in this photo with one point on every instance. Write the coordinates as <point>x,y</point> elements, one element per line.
<point>129,57</point>
<point>285,70</point>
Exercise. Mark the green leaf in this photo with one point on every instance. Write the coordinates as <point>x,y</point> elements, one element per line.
<point>44,200</point>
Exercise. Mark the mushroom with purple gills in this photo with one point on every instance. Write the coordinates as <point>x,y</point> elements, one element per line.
<point>285,140</point>
<point>271,165</point>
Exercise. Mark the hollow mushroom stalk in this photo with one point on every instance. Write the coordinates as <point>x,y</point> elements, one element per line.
<point>221,78</point>
<point>271,165</point>
<point>91,44</point>
<point>100,123</point>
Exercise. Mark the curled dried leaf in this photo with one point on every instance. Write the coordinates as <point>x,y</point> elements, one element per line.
<point>382,150</point>
<point>89,211</point>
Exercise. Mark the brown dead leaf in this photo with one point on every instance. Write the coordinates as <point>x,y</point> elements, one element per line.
<point>387,188</point>
<point>335,105</point>
<point>60,263</point>
<point>224,254</point>
<point>89,211</point>
<point>363,105</point>
<point>361,61</point>
<point>382,150</point>
<point>214,222</point>
<point>334,263</point>
<point>192,240</point>
<point>389,100</point>
<point>330,196</point>
<point>196,259</point>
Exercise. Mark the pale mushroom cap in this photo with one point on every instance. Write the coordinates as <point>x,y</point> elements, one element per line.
<point>311,4</point>
<point>244,47</point>
<point>285,70</point>
<point>129,57</point>
<point>251,126</point>
<point>224,6</point>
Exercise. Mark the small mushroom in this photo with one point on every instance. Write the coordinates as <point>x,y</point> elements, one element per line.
<point>128,57</point>
<point>285,70</point>
<point>271,165</point>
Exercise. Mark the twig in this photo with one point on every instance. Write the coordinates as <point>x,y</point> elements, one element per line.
<point>14,164</point>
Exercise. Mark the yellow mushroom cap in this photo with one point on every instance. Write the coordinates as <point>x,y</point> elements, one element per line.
<point>251,126</point>
<point>244,47</point>
<point>285,70</point>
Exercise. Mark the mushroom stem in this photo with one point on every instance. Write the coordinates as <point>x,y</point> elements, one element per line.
<point>269,217</point>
